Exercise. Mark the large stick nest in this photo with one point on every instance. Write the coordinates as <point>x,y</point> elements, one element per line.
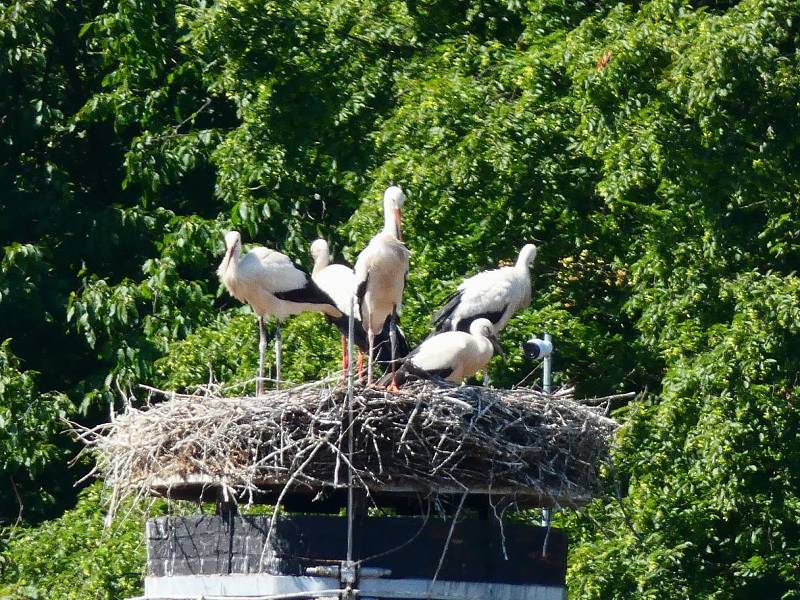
<point>429,437</point>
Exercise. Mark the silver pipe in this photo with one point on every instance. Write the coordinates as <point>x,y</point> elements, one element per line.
<point>350,328</point>
<point>547,386</point>
<point>547,366</point>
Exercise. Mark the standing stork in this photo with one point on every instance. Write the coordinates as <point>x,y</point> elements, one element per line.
<point>272,285</point>
<point>339,281</point>
<point>495,295</point>
<point>381,271</point>
<point>453,355</point>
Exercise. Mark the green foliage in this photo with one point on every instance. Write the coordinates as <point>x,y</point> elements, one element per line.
<point>74,557</point>
<point>649,148</point>
<point>30,422</point>
<point>711,506</point>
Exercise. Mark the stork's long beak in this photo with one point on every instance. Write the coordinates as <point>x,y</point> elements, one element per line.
<point>498,349</point>
<point>399,222</point>
<point>229,254</point>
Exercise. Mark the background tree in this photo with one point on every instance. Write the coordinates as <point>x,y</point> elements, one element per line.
<point>649,148</point>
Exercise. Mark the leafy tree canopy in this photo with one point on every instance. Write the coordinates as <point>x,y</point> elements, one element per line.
<point>650,149</point>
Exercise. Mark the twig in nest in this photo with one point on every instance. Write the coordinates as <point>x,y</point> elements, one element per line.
<point>430,438</point>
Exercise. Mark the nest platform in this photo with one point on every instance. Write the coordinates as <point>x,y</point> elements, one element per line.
<point>290,447</point>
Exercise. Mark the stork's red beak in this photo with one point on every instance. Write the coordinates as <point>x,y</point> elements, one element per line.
<point>399,221</point>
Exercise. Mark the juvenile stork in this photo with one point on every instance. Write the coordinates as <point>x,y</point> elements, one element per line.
<point>381,271</point>
<point>452,355</point>
<point>494,295</point>
<point>273,286</point>
<point>339,282</point>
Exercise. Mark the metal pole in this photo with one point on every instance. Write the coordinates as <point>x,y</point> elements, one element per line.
<point>278,355</point>
<point>547,386</point>
<point>350,382</point>
<point>547,366</point>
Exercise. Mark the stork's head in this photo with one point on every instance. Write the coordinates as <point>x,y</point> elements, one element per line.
<point>232,239</point>
<point>319,249</point>
<point>393,200</point>
<point>321,255</point>
<point>484,328</point>
<point>527,255</point>
<point>233,242</point>
<point>394,197</point>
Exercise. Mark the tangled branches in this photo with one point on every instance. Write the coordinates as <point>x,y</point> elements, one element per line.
<point>429,438</point>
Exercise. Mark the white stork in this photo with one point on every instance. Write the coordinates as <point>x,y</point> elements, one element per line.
<point>381,271</point>
<point>453,355</point>
<point>272,285</point>
<point>495,295</point>
<point>338,280</point>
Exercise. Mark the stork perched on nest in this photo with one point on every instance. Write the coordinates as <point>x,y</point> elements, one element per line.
<point>381,271</point>
<point>273,286</point>
<point>339,281</point>
<point>495,295</point>
<point>452,355</point>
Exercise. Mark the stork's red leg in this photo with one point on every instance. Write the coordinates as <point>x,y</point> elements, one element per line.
<point>392,387</point>
<point>360,365</point>
<point>369,358</point>
<point>345,362</point>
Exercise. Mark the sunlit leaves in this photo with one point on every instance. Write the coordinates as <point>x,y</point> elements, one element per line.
<point>649,148</point>
<point>88,560</point>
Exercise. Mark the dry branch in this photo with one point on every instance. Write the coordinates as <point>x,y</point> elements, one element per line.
<point>429,437</point>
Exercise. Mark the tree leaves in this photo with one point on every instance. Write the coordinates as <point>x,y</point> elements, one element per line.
<point>648,148</point>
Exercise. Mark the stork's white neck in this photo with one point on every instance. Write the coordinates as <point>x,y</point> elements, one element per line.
<point>526,256</point>
<point>230,263</point>
<point>322,260</point>
<point>389,220</point>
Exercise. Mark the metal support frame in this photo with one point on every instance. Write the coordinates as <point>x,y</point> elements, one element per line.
<point>350,382</point>
<point>547,387</point>
<point>349,571</point>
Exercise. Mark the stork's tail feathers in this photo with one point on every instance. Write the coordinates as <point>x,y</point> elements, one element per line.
<point>408,371</point>
<point>383,345</point>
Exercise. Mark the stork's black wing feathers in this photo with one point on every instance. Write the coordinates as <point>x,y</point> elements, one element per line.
<point>409,370</point>
<point>361,291</point>
<point>359,334</point>
<point>442,373</point>
<point>383,344</point>
<point>442,318</point>
<point>494,317</point>
<point>311,293</point>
